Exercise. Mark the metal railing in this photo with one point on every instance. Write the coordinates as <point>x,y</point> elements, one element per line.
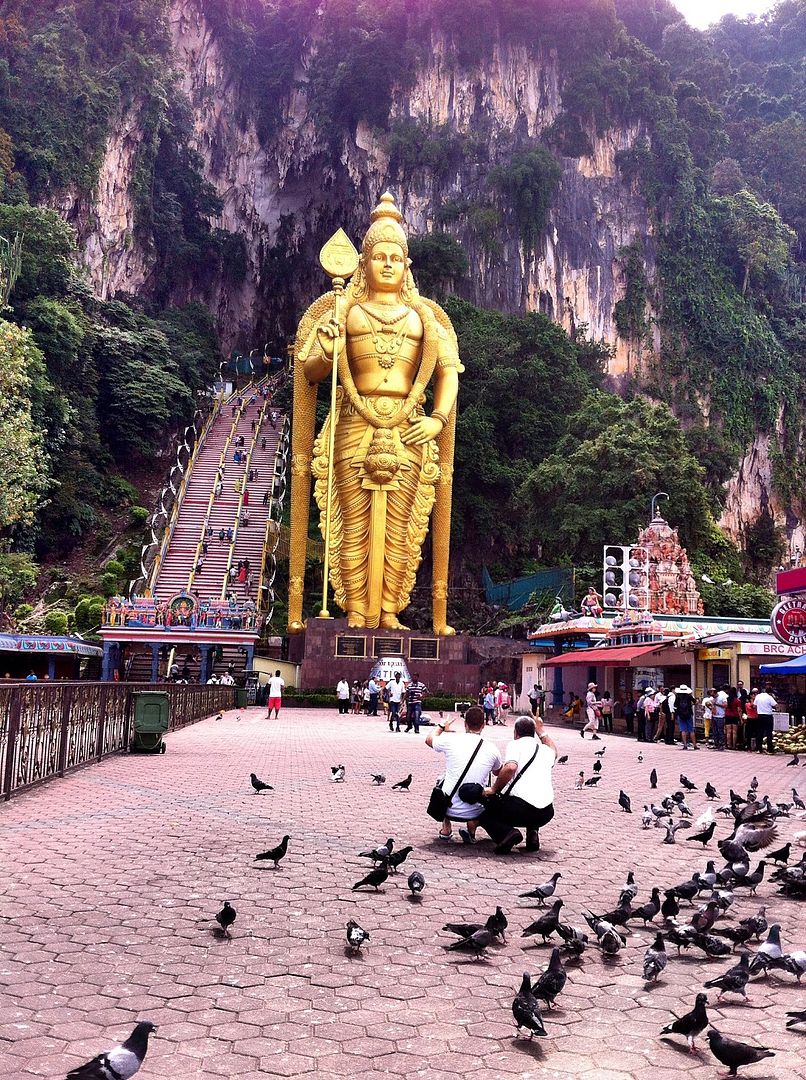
<point>49,730</point>
<point>268,558</point>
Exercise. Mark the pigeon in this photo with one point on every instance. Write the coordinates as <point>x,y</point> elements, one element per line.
<point>669,908</point>
<point>649,910</point>
<point>673,827</point>
<point>710,945</point>
<point>754,784</point>
<point>768,951</point>
<point>711,791</point>
<point>594,780</point>
<point>226,917</point>
<point>630,886</point>
<point>739,935</point>
<point>496,924</point>
<point>275,853</point>
<point>600,753</point>
<point>687,890</point>
<point>476,942</point>
<point>708,879</point>
<point>796,1018</point>
<point>733,1053</point>
<point>757,924</point>
<point>655,959</point>
<point>375,878</point>
<point>704,836</point>
<point>562,760</point>
<point>653,779</point>
<point>526,1010</point>
<point>658,812</point>
<point>751,881</point>
<point>380,854</point>
<point>259,785</point>
<point>684,808</point>
<point>705,818</point>
<point>546,924</point>
<point>691,1024</point>
<point>397,858</point>
<point>797,801</point>
<point>416,883</point>
<point>795,760</point>
<point>794,963</point>
<point>624,802</point>
<point>640,757</point>
<point>541,893</point>
<point>687,784</point>
<point>734,980</point>
<point>597,767</point>
<point>619,915</point>
<point>610,940</point>
<point>647,818</point>
<point>551,983</point>
<point>402,785</point>
<point>356,936</point>
<point>574,941</point>
<point>337,773</point>
<point>378,778</point>
<point>121,1062</point>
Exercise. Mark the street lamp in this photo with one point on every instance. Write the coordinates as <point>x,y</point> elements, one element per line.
<point>655,497</point>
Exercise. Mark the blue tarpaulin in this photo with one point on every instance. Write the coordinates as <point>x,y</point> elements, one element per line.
<point>795,666</point>
<point>514,594</point>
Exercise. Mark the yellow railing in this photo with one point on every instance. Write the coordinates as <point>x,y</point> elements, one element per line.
<point>272,526</point>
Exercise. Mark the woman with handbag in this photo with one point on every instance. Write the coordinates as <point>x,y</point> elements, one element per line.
<point>469,759</point>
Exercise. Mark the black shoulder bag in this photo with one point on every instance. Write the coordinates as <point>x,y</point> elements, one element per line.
<point>508,791</point>
<point>440,802</point>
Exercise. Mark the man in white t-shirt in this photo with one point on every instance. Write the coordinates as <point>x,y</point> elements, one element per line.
<point>522,793</point>
<point>765,706</point>
<point>458,748</point>
<point>397,689</point>
<point>343,695</point>
<point>276,684</point>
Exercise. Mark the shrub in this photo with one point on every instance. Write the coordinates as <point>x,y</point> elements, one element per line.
<point>114,567</point>
<point>22,612</point>
<point>55,622</point>
<point>138,515</point>
<point>110,584</point>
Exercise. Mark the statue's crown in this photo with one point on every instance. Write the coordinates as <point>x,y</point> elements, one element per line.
<point>386,225</point>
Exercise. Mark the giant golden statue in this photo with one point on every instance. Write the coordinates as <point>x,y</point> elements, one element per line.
<point>392,464</point>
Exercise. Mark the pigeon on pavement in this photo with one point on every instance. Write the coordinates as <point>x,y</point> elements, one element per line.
<point>670,907</point>
<point>655,959</point>
<point>600,753</point>
<point>704,836</point>
<point>711,791</point>
<point>378,778</point>
<point>653,779</point>
<point>733,1053</point>
<point>673,827</point>
<point>275,853</point>
<point>375,878</point>
<point>594,780</point>
<point>687,784</point>
<point>769,950</point>
<point>781,855</point>
<point>546,925</point>
<point>562,760</point>
<point>397,858</point>
<point>416,883</point>
<point>226,917</point>
<point>402,785</point>
<point>356,935</point>
<point>798,1017</point>
<point>552,982</point>
<point>337,773</point>
<point>597,767</point>
<point>734,980</point>
<point>259,785</point>
<point>541,893</point>
<point>574,941</point>
<point>526,1010</point>
<point>476,943</point>
<point>691,1024</point>
<point>121,1062</point>
<point>379,854</point>
<point>624,802</point>
<point>647,818</point>
<point>649,910</point>
<point>795,760</point>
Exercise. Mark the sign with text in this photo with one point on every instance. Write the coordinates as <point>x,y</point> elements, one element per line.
<point>788,621</point>
<point>769,648</point>
<point>791,581</point>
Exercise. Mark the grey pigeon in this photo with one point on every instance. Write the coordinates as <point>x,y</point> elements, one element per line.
<point>691,1024</point>
<point>541,893</point>
<point>416,883</point>
<point>226,917</point>
<point>375,878</point>
<point>379,854</point>
<point>647,817</point>
<point>794,963</point>
<point>526,1010</point>
<point>650,909</point>
<point>552,982</point>
<point>798,1017</point>
<point>734,980</point>
<point>476,943</point>
<point>275,854</point>
<point>655,959</point>
<point>756,923</point>
<point>673,827</point>
<point>733,1053</point>
<point>711,791</point>
<point>769,950</point>
<point>574,941</point>
<point>546,925</point>
<point>397,858</point>
<point>378,778</point>
<point>121,1062</point>
<point>356,935</point>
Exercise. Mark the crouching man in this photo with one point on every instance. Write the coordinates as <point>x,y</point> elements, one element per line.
<point>522,793</point>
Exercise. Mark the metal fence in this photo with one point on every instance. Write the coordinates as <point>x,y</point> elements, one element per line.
<point>47,730</point>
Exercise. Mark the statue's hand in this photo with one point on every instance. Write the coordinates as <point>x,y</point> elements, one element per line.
<point>331,335</point>
<point>422,429</point>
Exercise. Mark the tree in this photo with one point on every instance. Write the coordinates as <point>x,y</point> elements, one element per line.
<point>18,574</point>
<point>763,240</point>
<point>23,462</point>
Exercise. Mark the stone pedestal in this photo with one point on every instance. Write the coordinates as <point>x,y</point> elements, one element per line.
<point>329,650</point>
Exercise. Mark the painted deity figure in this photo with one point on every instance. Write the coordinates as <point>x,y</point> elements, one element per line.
<point>393,461</point>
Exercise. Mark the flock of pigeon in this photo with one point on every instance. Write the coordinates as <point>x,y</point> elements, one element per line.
<point>709,895</point>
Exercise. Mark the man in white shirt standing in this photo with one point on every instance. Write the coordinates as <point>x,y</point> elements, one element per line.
<point>397,689</point>
<point>458,748</point>
<point>343,696</point>
<point>765,706</point>
<point>522,793</point>
<point>276,684</point>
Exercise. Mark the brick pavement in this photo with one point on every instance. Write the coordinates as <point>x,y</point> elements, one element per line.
<point>112,876</point>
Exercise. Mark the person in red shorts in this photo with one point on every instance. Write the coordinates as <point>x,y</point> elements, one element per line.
<point>276,684</point>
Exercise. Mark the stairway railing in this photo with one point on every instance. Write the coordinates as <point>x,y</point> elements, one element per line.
<point>272,536</point>
<point>239,508</point>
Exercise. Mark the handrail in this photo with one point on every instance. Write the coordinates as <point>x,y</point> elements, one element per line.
<point>221,464</point>
<point>239,508</point>
<point>272,525</point>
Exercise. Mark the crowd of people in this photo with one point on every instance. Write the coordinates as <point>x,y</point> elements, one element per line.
<point>399,699</point>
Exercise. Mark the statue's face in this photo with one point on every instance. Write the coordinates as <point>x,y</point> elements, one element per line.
<point>386,267</point>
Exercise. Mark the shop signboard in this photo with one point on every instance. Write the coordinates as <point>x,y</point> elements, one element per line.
<point>791,581</point>
<point>647,676</point>
<point>788,621</point>
<point>714,654</point>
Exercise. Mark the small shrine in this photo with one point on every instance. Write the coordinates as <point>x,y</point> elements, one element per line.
<point>672,588</point>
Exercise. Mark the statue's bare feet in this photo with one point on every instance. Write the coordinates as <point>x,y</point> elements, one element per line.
<point>390,621</point>
<point>444,631</point>
<point>355,619</point>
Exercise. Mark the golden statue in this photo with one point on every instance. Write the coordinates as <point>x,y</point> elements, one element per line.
<point>392,464</point>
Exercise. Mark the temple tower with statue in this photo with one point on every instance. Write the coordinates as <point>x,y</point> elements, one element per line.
<point>672,588</point>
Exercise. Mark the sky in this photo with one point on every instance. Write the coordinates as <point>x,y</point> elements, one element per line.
<point>702,13</point>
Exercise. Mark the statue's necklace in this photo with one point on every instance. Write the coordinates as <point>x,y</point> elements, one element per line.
<point>389,338</point>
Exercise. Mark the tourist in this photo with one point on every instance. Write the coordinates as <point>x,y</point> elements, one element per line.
<point>652,712</point>
<point>592,711</point>
<point>234,408</point>
<point>527,764</point>
<point>276,684</point>
<point>273,419</point>
<point>469,759</point>
<point>415,691</point>
<point>244,518</point>
<point>752,734</point>
<point>356,697</point>
<point>205,547</point>
<point>233,572</point>
<point>254,425</point>
<point>707,714</point>
<point>733,716</point>
<point>396,688</point>
<point>628,712</point>
<point>266,497</point>
<point>488,704</point>
<point>684,714</point>
<point>32,677</point>
<point>246,497</point>
<point>640,716</point>
<point>365,698</point>
<point>374,695</point>
<point>343,696</point>
<point>607,713</point>
<point>537,700</point>
<point>263,443</point>
<point>765,706</point>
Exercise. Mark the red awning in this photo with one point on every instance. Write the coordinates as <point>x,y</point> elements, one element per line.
<point>615,656</point>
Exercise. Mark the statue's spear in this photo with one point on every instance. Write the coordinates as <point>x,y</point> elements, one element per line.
<point>339,259</point>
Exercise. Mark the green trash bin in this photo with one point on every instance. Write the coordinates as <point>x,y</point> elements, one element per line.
<point>241,698</point>
<point>151,716</point>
